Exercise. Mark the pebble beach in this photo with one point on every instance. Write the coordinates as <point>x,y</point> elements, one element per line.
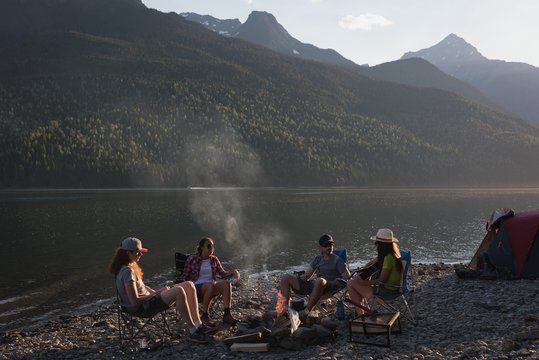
<point>457,319</point>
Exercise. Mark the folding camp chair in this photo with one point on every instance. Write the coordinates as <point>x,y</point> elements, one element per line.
<point>217,308</point>
<point>136,332</point>
<point>403,300</point>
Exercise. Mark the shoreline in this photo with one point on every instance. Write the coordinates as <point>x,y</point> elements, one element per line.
<point>456,319</point>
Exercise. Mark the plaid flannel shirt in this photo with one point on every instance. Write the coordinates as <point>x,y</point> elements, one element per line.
<point>191,271</point>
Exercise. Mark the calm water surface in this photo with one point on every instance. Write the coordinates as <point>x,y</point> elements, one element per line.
<point>56,245</point>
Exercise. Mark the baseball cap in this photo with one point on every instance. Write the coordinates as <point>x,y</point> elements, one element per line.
<point>325,240</point>
<point>132,244</point>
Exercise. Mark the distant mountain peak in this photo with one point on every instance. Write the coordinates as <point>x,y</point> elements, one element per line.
<point>452,49</point>
<point>262,16</point>
<point>263,25</point>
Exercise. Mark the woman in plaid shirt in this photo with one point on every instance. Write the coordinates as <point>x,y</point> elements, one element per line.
<point>203,268</point>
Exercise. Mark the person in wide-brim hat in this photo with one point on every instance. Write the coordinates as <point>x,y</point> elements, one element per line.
<point>385,236</point>
<point>390,265</point>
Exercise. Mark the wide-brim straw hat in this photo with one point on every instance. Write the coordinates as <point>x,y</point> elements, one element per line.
<point>385,236</point>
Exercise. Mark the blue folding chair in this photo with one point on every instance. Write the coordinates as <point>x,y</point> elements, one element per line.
<point>402,300</point>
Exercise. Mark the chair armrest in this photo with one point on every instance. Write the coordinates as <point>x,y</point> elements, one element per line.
<point>341,282</point>
<point>225,277</point>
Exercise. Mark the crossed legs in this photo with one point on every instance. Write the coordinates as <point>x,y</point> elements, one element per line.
<point>358,290</point>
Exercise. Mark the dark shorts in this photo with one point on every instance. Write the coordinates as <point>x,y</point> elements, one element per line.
<point>306,287</point>
<point>152,306</point>
<point>198,287</point>
<point>382,292</point>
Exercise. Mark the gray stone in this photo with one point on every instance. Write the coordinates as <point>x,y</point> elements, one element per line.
<point>291,343</point>
<point>329,322</point>
<point>306,334</point>
<point>323,332</point>
<point>508,345</point>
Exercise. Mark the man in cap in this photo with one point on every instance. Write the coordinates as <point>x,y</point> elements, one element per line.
<point>330,269</point>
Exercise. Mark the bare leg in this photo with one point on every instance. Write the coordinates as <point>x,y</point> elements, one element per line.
<point>192,300</point>
<point>225,289</point>
<point>319,287</point>
<point>358,291</point>
<point>288,281</point>
<point>177,295</point>
<point>208,291</point>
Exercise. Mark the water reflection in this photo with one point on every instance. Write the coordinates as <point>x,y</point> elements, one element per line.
<point>56,245</point>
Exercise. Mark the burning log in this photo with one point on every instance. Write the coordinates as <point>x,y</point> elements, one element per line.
<point>285,323</point>
<point>295,322</point>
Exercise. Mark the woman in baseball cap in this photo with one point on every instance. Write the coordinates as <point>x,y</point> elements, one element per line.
<point>141,300</point>
<point>390,263</point>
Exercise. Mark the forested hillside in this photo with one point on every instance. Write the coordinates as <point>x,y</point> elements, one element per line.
<point>156,100</point>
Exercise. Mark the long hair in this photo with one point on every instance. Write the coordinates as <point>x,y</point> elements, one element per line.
<point>202,243</point>
<point>120,259</point>
<point>389,248</point>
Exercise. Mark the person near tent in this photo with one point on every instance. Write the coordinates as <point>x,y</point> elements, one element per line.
<point>388,282</point>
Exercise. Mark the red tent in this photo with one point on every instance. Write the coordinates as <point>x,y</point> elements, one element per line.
<point>512,244</point>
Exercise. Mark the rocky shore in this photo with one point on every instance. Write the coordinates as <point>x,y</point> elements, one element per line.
<point>457,319</point>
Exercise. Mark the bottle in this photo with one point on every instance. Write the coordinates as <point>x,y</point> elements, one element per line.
<point>340,310</point>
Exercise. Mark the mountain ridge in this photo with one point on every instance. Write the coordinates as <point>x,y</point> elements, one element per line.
<point>156,100</point>
<point>264,29</point>
<point>512,85</point>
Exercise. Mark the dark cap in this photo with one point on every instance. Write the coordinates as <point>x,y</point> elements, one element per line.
<point>325,240</point>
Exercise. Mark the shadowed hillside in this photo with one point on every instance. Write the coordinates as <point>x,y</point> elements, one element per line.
<point>155,100</point>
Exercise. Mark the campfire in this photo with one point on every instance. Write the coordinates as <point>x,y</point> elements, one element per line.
<point>281,326</point>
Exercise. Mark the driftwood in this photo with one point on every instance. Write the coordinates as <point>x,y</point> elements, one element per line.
<point>295,322</point>
<point>527,335</point>
<point>250,347</point>
<point>247,338</point>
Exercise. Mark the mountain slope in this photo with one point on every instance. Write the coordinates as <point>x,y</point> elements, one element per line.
<point>419,72</point>
<point>262,28</point>
<point>515,86</point>
<point>159,101</point>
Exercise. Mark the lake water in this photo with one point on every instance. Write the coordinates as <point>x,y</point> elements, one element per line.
<point>56,245</point>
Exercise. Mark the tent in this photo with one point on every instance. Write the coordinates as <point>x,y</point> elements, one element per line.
<point>511,244</point>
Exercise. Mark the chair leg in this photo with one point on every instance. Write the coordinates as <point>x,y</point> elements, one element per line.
<point>134,335</point>
<point>408,311</point>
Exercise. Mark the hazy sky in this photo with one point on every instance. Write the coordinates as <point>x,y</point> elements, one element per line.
<point>376,31</point>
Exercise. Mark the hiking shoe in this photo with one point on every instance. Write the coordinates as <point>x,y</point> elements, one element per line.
<point>208,330</point>
<point>199,337</point>
<point>206,320</point>
<point>229,319</point>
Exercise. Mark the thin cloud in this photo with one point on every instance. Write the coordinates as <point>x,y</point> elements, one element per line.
<point>363,22</point>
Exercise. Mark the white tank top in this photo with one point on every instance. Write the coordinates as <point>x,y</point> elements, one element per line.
<point>205,274</point>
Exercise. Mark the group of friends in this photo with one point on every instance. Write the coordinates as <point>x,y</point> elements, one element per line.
<point>204,278</point>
